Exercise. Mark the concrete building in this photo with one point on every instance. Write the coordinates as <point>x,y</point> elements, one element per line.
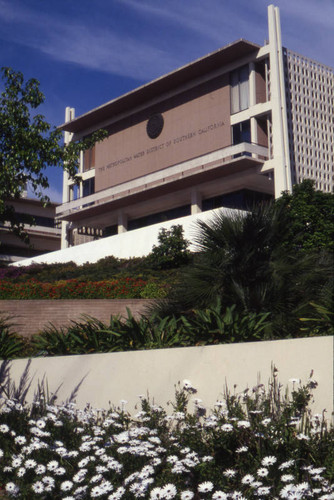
<point>241,124</point>
<point>44,235</point>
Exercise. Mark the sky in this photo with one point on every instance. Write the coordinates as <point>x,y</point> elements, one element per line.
<point>87,52</point>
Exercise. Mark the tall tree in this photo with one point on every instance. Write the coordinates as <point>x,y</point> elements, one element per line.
<point>28,144</point>
<point>310,218</point>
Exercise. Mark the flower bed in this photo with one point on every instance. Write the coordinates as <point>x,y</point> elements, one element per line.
<point>251,446</point>
<point>73,289</point>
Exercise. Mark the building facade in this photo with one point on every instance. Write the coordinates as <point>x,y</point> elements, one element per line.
<point>44,236</point>
<point>239,125</point>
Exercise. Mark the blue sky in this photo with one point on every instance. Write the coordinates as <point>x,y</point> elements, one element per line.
<point>87,52</point>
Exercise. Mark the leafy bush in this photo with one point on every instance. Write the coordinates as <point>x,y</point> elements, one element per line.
<point>11,344</point>
<point>154,290</point>
<point>215,325</point>
<point>201,327</point>
<point>252,445</point>
<point>83,337</point>
<point>91,335</point>
<point>171,250</point>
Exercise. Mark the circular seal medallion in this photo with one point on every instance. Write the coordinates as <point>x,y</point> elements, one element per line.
<point>155,125</point>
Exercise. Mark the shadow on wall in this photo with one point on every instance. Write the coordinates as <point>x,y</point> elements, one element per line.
<point>17,392</point>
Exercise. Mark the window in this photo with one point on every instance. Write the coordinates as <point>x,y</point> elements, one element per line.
<point>88,186</point>
<point>239,89</point>
<point>89,159</point>
<point>241,132</point>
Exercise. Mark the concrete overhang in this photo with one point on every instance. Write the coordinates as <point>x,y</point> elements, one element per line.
<point>223,56</point>
<point>145,192</point>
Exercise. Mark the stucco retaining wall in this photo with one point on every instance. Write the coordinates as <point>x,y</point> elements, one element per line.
<point>114,376</point>
<point>134,243</point>
<point>30,316</point>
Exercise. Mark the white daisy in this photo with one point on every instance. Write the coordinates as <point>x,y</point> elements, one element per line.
<point>38,487</point>
<point>12,488</point>
<point>169,491</point>
<point>219,495</point>
<point>248,479</point>
<point>242,449</point>
<point>30,463</point>
<point>60,471</point>
<point>53,465</point>
<point>263,491</point>
<point>266,461</point>
<point>229,472</point>
<point>262,472</point>
<point>20,472</point>
<point>187,495</point>
<point>286,465</point>
<point>243,424</point>
<point>287,478</point>
<point>227,427</point>
<point>40,469</point>
<point>20,440</point>
<point>66,486</point>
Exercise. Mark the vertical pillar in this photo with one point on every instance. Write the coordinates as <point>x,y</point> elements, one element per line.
<point>252,84</point>
<point>69,115</point>
<point>282,172</point>
<point>196,202</point>
<point>81,161</point>
<point>288,173</point>
<point>252,101</point>
<point>122,222</point>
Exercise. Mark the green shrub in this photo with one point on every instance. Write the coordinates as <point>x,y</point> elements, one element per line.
<point>216,325</point>
<point>154,290</point>
<point>171,250</point>
<point>11,344</point>
<point>81,337</point>
<point>92,336</point>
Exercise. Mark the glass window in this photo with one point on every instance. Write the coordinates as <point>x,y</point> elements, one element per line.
<point>89,159</point>
<point>88,186</point>
<point>239,89</point>
<point>241,132</point>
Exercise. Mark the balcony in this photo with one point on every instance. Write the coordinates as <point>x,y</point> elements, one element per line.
<point>223,162</point>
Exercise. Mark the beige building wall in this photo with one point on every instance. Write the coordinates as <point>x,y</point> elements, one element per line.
<point>112,377</point>
<point>195,123</point>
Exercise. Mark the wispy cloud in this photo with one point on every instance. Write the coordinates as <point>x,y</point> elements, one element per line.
<point>307,26</point>
<point>165,34</point>
<point>78,43</point>
<point>214,20</point>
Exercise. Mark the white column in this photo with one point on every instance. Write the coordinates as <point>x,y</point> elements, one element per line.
<point>282,174</point>
<point>122,221</point>
<point>69,115</point>
<point>252,84</point>
<point>196,202</point>
<point>252,102</point>
<point>283,103</point>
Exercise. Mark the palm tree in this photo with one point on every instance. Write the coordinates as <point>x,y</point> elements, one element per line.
<point>242,260</point>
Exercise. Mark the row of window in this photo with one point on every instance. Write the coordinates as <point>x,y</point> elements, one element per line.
<point>242,200</point>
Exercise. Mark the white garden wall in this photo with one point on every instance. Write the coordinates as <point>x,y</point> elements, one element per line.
<point>116,376</point>
<point>136,243</point>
